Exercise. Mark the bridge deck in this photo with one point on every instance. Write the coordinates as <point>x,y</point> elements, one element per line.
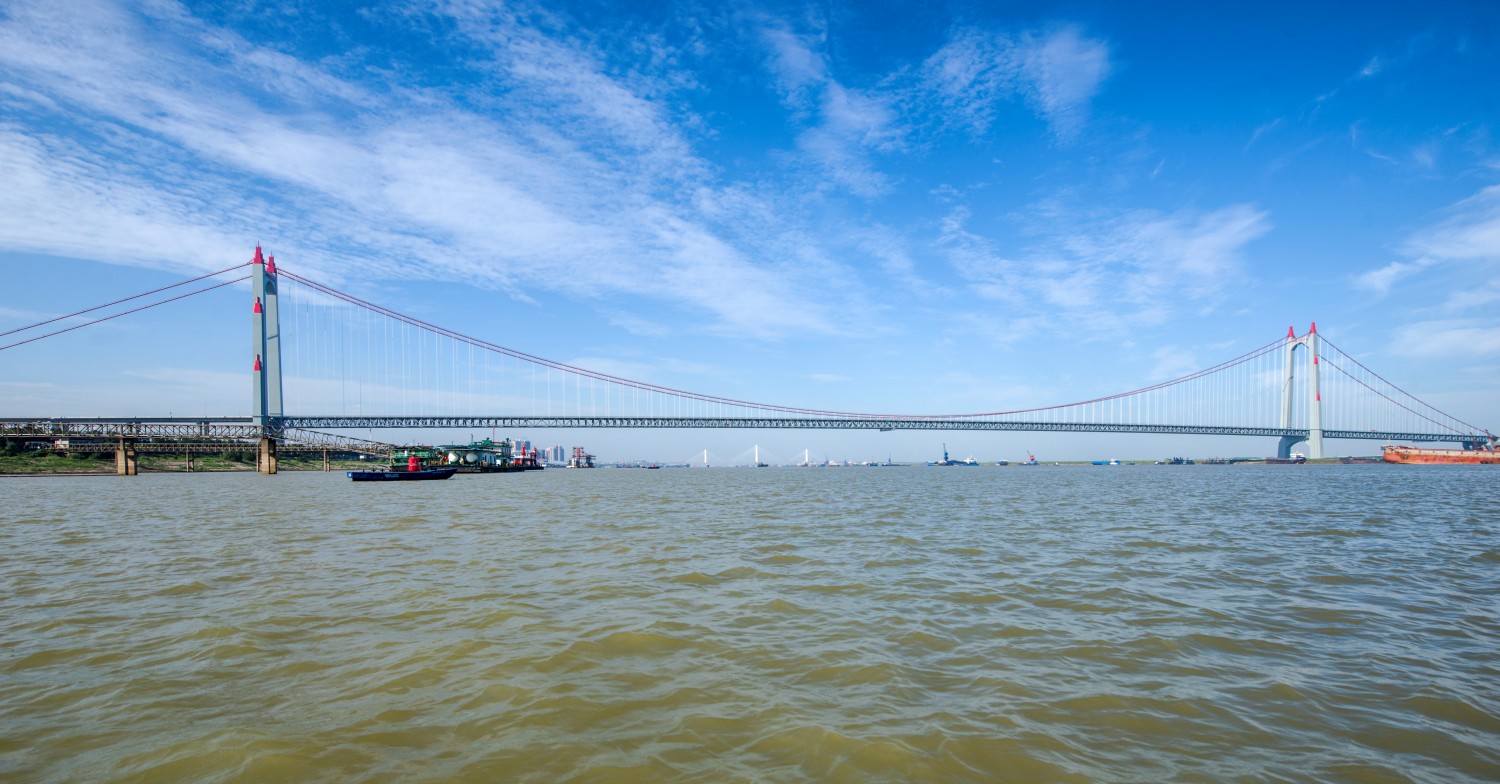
<point>296,428</point>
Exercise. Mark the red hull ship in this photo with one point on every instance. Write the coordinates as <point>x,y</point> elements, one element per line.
<point>1411,454</point>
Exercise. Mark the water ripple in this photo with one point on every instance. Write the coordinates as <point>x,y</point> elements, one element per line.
<point>1314,623</point>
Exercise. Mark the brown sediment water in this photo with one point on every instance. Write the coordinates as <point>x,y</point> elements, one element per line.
<point>1145,623</point>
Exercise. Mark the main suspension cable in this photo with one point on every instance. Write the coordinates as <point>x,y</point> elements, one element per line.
<point>119,301</point>
<point>128,312</point>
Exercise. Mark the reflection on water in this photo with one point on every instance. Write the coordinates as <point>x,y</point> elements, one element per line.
<point>1206,623</point>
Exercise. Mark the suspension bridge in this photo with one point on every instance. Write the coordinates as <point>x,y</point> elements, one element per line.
<point>321,359</point>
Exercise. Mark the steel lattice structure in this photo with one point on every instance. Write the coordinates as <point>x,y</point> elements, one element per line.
<point>175,434</point>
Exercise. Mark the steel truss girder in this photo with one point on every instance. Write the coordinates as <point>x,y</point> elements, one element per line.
<point>202,435</point>
<point>647,423</point>
<point>128,428</point>
<point>168,446</point>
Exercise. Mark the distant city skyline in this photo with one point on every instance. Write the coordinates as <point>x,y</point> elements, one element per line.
<point>892,208</point>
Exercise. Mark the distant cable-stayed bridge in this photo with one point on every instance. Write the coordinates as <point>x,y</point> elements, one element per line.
<point>323,359</point>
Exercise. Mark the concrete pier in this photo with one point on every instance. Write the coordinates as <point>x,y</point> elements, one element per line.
<point>266,456</point>
<point>127,462</point>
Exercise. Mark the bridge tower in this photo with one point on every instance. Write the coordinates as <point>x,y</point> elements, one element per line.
<point>265,329</point>
<point>1315,396</point>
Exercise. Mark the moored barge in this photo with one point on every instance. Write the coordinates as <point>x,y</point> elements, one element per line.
<point>1412,454</point>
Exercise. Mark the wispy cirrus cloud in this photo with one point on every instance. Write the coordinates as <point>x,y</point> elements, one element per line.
<point>845,126</point>
<point>1455,258</point>
<point>1135,265</point>
<point>1057,73</point>
<point>1381,280</point>
<point>1471,232</point>
<point>1448,339</point>
<point>1466,243</point>
<point>187,141</point>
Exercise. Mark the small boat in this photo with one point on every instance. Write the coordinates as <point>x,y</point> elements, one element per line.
<point>1412,454</point>
<point>948,461</point>
<point>401,476</point>
<point>1297,458</point>
<point>1105,462</point>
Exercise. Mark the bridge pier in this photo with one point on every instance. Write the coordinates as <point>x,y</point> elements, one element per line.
<point>327,466</point>
<point>127,463</point>
<point>1284,446</point>
<point>188,461</point>
<point>266,456</point>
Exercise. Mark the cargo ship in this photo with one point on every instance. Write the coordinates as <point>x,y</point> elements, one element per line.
<point>1412,454</point>
<point>478,457</point>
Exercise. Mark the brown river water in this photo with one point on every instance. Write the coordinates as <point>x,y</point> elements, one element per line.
<point>1332,623</point>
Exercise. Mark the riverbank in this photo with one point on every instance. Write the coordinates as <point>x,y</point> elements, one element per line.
<point>51,463</point>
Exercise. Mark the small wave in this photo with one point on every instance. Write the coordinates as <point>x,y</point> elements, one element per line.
<point>694,578</point>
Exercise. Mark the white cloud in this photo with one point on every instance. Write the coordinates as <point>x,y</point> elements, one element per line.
<point>1381,280</point>
<point>1480,296</point>
<point>1065,71</point>
<point>190,143</point>
<point>1465,244</point>
<point>798,69</point>
<point>1460,339</point>
<point>1471,233</point>
<point>1058,73</point>
<point>846,125</point>
<point>1136,265</point>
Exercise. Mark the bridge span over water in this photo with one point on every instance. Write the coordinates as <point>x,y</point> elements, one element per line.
<point>365,366</point>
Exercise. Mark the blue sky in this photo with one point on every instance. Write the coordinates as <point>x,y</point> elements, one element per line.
<point>890,207</point>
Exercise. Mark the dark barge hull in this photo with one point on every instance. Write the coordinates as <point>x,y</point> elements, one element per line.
<point>400,476</point>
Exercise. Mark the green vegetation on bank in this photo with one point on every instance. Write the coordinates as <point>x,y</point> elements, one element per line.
<point>16,460</point>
